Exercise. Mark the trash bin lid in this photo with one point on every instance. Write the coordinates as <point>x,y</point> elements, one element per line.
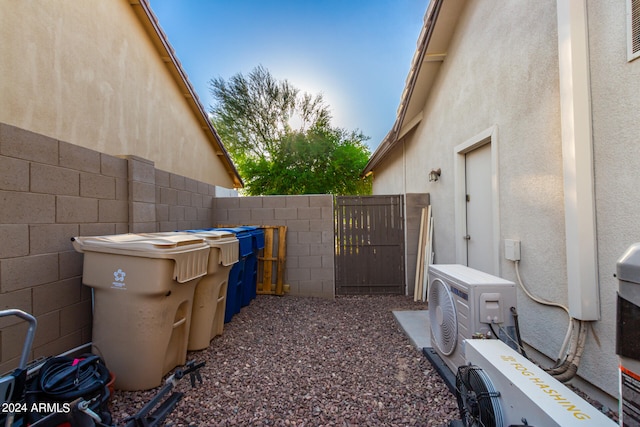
<point>139,242</point>
<point>244,239</point>
<point>200,234</point>
<point>212,233</point>
<point>190,253</point>
<point>628,266</point>
<point>223,240</point>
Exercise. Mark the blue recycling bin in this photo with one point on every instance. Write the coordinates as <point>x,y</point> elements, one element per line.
<point>249,256</point>
<point>250,281</point>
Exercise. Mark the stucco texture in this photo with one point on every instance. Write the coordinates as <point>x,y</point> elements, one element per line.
<point>501,70</point>
<point>615,84</point>
<point>87,73</point>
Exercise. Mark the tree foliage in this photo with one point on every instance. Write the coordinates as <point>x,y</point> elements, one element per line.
<point>282,141</point>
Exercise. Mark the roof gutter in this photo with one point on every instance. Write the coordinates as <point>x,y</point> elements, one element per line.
<point>392,138</point>
<point>150,21</point>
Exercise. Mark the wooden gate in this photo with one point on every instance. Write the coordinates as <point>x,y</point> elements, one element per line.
<point>370,245</point>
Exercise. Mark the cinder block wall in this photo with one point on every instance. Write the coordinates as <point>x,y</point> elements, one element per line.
<point>309,269</point>
<point>51,191</point>
<point>182,203</point>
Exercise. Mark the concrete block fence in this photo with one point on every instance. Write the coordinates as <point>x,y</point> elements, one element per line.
<point>51,190</point>
<point>310,235</point>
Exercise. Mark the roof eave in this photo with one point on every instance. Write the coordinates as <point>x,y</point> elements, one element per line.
<point>396,133</point>
<point>150,23</point>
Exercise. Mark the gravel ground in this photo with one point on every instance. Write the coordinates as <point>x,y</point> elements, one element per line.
<point>294,361</point>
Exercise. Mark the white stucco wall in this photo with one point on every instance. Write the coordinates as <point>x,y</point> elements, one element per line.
<point>85,72</point>
<point>502,70</point>
<point>615,86</point>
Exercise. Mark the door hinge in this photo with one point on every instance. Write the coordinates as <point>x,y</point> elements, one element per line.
<point>467,237</point>
<point>467,197</point>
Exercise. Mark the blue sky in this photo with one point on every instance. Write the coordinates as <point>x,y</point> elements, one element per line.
<point>356,53</point>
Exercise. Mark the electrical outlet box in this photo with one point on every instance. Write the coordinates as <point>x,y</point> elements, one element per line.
<point>512,249</point>
<point>491,307</point>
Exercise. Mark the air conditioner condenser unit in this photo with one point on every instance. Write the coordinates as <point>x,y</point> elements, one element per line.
<point>463,303</point>
<point>500,387</point>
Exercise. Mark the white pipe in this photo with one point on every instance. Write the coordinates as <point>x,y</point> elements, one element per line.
<point>572,367</point>
<point>533,297</point>
<point>568,357</point>
<point>577,160</point>
<point>563,349</point>
<point>561,354</point>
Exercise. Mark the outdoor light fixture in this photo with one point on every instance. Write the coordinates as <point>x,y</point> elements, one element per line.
<point>434,175</point>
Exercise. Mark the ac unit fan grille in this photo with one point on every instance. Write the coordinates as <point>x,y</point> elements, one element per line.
<point>478,400</point>
<point>442,316</point>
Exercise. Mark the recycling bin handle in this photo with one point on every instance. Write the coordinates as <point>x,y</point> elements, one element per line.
<point>179,322</point>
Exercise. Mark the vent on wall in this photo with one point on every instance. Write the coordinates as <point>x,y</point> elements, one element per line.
<point>633,21</point>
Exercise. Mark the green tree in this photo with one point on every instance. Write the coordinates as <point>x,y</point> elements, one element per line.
<point>282,141</point>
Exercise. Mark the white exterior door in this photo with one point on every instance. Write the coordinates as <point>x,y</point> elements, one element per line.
<point>479,236</point>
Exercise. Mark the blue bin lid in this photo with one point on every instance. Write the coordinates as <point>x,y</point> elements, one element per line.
<point>258,235</point>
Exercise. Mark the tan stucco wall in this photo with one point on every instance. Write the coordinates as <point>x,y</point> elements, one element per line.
<point>506,75</point>
<point>390,180</point>
<point>86,72</point>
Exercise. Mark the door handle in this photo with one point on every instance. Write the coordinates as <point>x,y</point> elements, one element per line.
<point>467,237</point>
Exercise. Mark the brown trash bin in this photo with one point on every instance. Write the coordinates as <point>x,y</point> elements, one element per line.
<point>210,296</point>
<point>209,300</point>
<point>143,290</point>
